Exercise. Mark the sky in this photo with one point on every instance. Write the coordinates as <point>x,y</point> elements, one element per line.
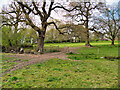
<point>110,2</point>
<point>57,16</point>
<point>5,2</point>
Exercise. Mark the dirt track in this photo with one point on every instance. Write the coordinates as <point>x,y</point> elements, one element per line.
<point>32,59</point>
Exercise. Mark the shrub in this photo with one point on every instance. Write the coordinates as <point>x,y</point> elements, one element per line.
<point>3,49</point>
<point>26,45</point>
<point>34,47</point>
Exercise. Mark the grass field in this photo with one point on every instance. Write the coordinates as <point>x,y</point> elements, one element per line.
<point>8,63</point>
<point>58,73</point>
<point>88,71</point>
<point>61,45</point>
<point>95,53</point>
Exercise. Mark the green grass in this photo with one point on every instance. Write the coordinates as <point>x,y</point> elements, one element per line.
<point>54,47</point>
<point>9,62</point>
<point>51,49</point>
<point>89,71</point>
<point>94,53</point>
<point>62,45</point>
<point>57,73</point>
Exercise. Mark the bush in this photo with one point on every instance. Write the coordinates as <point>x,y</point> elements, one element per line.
<point>26,45</point>
<point>3,49</point>
<point>34,47</point>
<point>9,49</point>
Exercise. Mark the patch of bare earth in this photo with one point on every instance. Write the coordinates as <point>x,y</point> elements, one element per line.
<point>32,59</point>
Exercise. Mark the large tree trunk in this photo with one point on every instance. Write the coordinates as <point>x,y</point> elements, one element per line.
<point>113,39</point>
<point>112,42</point>
<point>87,38</point>
<point>87,43</point>
<point>40,47</point>
<point>87,30</point>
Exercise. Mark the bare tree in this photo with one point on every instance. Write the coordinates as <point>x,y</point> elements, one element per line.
<point>42,11</point>
<point>83,15</point>
<point>108,23</point>
<point>43,14</point>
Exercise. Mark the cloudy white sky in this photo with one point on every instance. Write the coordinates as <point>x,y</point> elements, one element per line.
<point>56,15</point>
<point>109,2</point>
<point>112,1</point>
<point>4,2</point>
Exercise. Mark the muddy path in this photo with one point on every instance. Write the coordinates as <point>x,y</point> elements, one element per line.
<point>33,59</point>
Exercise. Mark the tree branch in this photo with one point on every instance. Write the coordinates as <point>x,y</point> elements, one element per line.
<point>64,8</point>
<point>25,5</point>
<point>6,25</point>
<point>57,27</point>
<point>38,12</point>
<point>29,20</point>
<point>50,8</point>
<point>43,8</point>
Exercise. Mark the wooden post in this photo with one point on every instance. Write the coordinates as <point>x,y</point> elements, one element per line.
<point>58,47</point>
<point>98,52</point>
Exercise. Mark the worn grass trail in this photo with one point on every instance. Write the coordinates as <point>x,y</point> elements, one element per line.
<point>33,59</point>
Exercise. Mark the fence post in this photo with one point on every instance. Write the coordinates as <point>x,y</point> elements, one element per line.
<point>58,47</point>
<point>98,52</point>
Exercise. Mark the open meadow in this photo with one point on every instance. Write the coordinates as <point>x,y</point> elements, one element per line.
<point>59,44</point>
<point>87,67</point>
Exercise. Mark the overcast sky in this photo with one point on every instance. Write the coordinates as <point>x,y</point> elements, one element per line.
<point>4,2</point>
<point>57,16</point>
<point>109,2</point>
<point>60,14</point>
